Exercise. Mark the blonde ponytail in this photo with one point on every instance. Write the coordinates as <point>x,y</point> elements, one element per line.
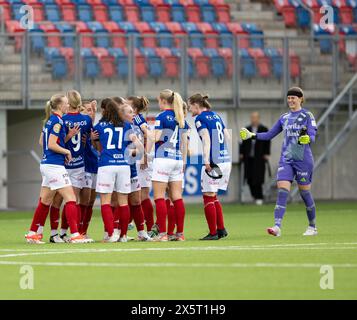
<point>177,105</point>
<point>47,112</point>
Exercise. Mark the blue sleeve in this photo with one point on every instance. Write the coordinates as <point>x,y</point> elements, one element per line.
<point>200,124</point>
<point>311,127</point>
<point>273,132</point>
<point>159,125</point>
<point>55,128</point>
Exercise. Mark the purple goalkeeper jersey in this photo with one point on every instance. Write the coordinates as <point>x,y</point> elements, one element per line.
<point>292,123</point>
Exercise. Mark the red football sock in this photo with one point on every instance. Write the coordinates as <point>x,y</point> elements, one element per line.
<point>171,217</point>
<point>64,222</point>
<point>83,212</point>
<point>108,218</point>
<point>219,214</point>
<point>124,214</point>
<point>210,213</point>
<point>179,211</point>
<point>148,213</point>
<point>116,214</point>
<point>161,214</point>
<point>86,219</point>
<point>40,216</point>
<point>138,216</point>
<point>54,217</point>
<point>72,216</point>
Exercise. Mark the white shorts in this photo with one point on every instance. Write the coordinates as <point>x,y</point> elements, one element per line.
<point>213,185</point>
<point>113,178</point>
<point>54,176</point>
<point>90,180</point>
<point>167,170</point>
<point>77,177</point>
<point>144,175</point>
<point>135,184</point>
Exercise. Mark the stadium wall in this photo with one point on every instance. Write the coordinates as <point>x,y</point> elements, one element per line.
<point>337,179</point>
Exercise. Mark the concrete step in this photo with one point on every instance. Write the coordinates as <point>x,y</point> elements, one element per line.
<point>249,16</point>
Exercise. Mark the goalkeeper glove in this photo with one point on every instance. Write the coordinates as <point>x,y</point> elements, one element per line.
<point>246,134</point>
<point>305,139</point>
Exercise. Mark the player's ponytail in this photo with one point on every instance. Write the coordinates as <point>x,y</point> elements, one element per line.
<point>139,104</point>
<point>177,105</point>
<point>113,113</point>
<point>52,105</point>
<point>74,100</point>
<point>201,100</point>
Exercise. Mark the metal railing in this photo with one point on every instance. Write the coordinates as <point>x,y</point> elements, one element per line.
<point>234,85</point>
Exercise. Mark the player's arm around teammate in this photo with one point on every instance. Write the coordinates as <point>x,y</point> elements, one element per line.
<point>54,175</point>
<point>144,166</point>
<point>215,138</point>
<point>296,161</point>
<point>168,163</point>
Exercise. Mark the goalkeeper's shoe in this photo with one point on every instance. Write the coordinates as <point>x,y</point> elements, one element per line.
<point>154,231</point>
<point>274,231</point>
<point>34,238</point>
<point>113,238</point>
<point>143,236</point>
<point>171,237</point>
<point>211,237</point>
<point>310,231</point>
<point>56,239</point>
<point>65,238</point>
<point>222,233</point>
<point>78,238</point>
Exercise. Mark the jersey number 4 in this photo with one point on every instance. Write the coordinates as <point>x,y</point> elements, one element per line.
<point>110,132</point>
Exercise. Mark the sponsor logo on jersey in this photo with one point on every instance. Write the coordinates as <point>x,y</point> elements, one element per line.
<point>57,128</point>
<point>157,123</point>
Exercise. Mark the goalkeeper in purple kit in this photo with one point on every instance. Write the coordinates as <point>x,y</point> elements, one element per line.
<point>296,161</point>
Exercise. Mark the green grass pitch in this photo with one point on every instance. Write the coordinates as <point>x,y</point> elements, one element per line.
<point>249,264</point>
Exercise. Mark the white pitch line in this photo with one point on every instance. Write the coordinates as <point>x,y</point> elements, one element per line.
<point>226,248</point>
<point>177,265</point>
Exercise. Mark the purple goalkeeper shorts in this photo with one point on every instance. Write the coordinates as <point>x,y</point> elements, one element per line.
<point>300,171</point>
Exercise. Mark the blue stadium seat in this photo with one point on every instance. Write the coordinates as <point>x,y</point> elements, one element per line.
<point>91,67</point>
<point>353,4</point>
<point>116,12</point>
<point>195,36</point>
<point>191,66</point>
<point>85,13</point>
<point>37,40</point>
<point>248,67</point>
<point>302,15</point>
<point>276,61</point>
<point>110,2</point>
<point>218,65</point>
<point>253,30</point>
<point>165,41</point>
<point>49,52</point>
<point>102,38</point>
<point>208,13</point>
<point>178,13</point>
<point>15,8</point>
<point>53,13</point>
<point>67,40</point>
<point>59,67</point>
<point>121,62</point>
<point>153,61</point>
<point>202,2</point>
<point>148,13</point>
<point>325,43</point>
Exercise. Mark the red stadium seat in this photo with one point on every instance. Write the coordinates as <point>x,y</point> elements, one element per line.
<point>216,2</point>
<point>68,54</point>
<point>226,53</point>
<point>346,15</point>
<point>187,2</point>
<point>6,10</point>
<point>87,40</point>
<point>163,13</point>
<point>100,12</point>
<point>211,36</point>
<point>193,13</point>
<point>141,70</point>
<point>176,29</point>
<point>69,12</point>
<point>171,63</point>
<point>280,4</point>
<point>14,27</point>
<point>201,61</point>
<point>289,16</point>
<point>237,29</point>
<point>147,40</point>
<point>261,61</point>
<point>132,13</point>
<point>62,2</point>
<point>118,38</point>
<point>38,12</point>
<point>157,2</point>
<point>295,69</point>
<point>53,35</point>
<point>106,62</point>
<point>223,13</point>
<point>94,2</point>
<point>126,2</point>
